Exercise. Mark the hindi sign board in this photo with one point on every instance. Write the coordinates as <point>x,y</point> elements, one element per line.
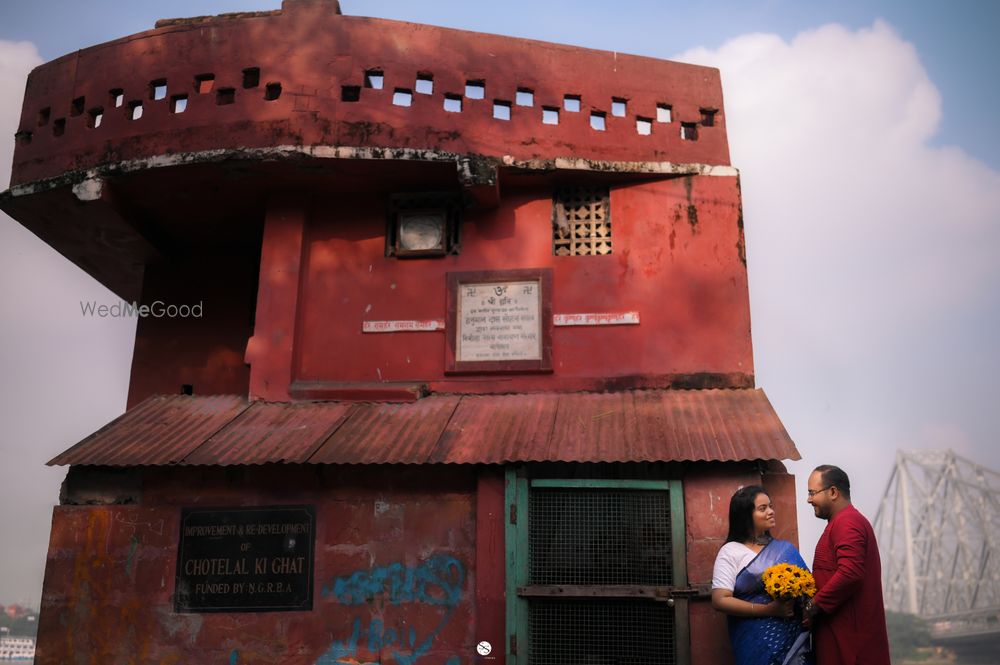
<point>245,559</point>
<point>500,321</point>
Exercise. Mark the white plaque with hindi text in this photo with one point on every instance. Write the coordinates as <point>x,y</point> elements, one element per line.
<point>499,321</point>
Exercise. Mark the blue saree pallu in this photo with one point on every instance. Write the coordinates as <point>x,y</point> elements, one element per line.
<point>767,640</point>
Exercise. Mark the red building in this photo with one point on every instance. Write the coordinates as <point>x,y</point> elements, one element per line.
<point>443,340</point>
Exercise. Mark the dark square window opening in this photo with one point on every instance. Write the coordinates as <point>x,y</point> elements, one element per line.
<point>94,117</point>
<point>350,93</point>
<point>178,103</point>
<point>375,79</point>
<point>158,89</point>
<point>203,83</point>
<point>251,77</point>
<point>423,224</point>
<point>225,96</point>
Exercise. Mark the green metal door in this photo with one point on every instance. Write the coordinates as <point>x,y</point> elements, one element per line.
<point>596,572</point>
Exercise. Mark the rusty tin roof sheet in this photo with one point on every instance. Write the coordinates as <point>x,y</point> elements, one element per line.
<point>272,432</point>
<point>164,429</point>
<point>628,426</point>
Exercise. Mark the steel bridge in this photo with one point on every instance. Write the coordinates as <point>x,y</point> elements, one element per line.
<point>938,529</point>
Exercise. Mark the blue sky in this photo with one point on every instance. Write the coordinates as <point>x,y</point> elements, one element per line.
<point>866,138</point>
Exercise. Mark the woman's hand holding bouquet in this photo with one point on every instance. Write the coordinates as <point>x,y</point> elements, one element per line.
<point>788,585</point>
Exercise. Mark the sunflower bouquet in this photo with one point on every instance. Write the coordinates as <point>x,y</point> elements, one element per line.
<point>785,581</point>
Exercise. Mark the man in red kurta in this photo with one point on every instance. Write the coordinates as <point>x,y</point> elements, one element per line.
<point>847,612</point>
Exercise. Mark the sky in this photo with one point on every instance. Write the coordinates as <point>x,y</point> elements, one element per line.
<point>867,141</point>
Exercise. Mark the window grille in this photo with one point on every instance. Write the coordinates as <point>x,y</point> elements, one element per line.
<point>598,536</point>
<point>600,632</point>
<point>581,221</point>
<point>596,571</point>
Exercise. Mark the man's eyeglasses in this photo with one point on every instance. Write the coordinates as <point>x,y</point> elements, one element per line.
<point>813,493</point>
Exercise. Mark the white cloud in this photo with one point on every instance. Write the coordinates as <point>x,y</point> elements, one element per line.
<point>64,376</point>
<point>868,249</point>
<point>840,187</point>
<point>16,60</point>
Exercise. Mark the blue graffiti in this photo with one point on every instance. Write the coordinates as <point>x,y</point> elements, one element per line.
<point>404,644</point>
<point>436,581</point>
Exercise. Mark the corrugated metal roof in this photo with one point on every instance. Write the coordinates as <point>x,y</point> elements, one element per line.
<point>627,426</point>
<point>500,428</point>
<point>383,433</point>
<point>164,429</point>
<point>273,432</point>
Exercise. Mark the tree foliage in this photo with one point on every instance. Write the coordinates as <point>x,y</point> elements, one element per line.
<point>24,625</point>
<point>907,633</point>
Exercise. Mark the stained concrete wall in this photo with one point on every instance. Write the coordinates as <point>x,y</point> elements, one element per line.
<point>109,582</point>
<point>678,260</point>
<point>110,575</point>
<point>310,53</point>
<point>203,350</point>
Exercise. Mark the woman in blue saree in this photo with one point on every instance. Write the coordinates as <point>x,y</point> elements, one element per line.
<point>762,631</point>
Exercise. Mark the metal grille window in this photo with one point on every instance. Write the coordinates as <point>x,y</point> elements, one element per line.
<point>581,221</point>
<point>596,572</point>
<point>593,536</point>
<point>604,631</point>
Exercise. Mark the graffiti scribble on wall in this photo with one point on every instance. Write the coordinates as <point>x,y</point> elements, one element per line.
<point>436,582</point>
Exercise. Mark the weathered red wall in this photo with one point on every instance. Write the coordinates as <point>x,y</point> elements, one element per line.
<point>110,572</point>
<point>678,260</point>
<point>678,244</point>
<point>206,351</point>
<point>312,52</point>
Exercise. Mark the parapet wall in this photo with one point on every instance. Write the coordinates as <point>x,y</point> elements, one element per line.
<point>308,76</point>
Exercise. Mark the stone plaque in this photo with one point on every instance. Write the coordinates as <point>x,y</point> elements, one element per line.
<point>499,321</point>
<point>245,559</point>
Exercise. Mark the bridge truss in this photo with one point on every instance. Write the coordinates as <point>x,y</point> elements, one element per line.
<point>938,529</point>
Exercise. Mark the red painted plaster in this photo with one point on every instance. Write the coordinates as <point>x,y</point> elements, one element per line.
<point>491,610</point>
<point>691,294</point>
<point>110,571</point>
<point>312,51</point>
<point>205,349</point>
<point>270,349</point>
